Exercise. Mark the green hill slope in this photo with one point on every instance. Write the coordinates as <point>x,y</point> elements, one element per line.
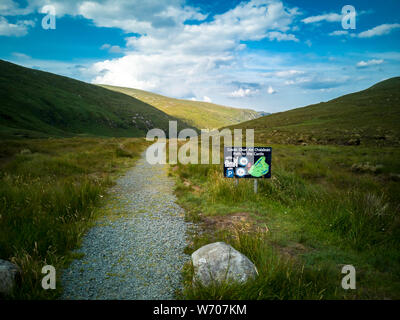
<point>368,117</point>
<point>199,114</point>
<point>40,104</point>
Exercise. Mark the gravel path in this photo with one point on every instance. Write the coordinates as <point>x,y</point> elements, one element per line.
<point>136,250</point>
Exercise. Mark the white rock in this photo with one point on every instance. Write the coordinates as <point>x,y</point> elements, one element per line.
<point>8,275</point>
<point>217,262</point>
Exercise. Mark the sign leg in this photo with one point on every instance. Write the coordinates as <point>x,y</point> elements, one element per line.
<point>255,185</point>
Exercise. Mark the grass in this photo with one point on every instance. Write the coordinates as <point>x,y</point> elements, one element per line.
<point>325,206</point>
<point>202,115</point>
<point>49,193</point>
<point>369,117</point>
<point>278,277</point>
<point>321,212</point>
<point>37,104</point>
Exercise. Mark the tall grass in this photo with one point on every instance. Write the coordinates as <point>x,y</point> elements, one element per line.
<point>359,215</point>
<point>314,198</point>
<point>278,277</point>
<point>48,198</point>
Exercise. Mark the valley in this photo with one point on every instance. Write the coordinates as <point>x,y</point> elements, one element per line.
<point>333,198</point>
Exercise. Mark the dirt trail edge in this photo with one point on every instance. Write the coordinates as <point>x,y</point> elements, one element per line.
<point>136,250</point>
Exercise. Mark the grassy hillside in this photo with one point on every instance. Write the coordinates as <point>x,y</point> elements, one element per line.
<point>40,104</point>
<point>368,117</point>
<point>199,114</point>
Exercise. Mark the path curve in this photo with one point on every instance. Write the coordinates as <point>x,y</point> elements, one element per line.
<point>136,250</point>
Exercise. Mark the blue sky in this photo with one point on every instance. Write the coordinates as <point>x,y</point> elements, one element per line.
<point>269,55</point>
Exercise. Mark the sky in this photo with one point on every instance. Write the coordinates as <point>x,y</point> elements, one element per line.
<point>267,55</point>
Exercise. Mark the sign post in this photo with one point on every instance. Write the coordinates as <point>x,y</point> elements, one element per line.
<point>247,162</point>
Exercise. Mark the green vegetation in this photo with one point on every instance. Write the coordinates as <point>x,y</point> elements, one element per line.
<point>324,207</point>
<point>36,104</point>
<point>278,278</point>
<point>49,192</point>
<point>369,117</point>
<point>332,200</point>
<point>202,115</point>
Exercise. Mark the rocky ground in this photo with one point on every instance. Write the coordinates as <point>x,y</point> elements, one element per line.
<point>135,251</point>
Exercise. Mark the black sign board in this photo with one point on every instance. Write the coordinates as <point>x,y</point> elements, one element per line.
<point>247,162</point>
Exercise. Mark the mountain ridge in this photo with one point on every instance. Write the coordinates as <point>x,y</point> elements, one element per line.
<point>38,104</point>
<point>344,120</point>
<point>203,115</point>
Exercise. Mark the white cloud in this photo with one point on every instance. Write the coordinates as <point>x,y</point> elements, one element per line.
<point>280,36</point>
<point>379,30</point>
<point>288,73</point>
<point>105,46</point>
<point>110,48</point>
<point>172,57</point>
<point>329,17</point>
<point>11,8</point>
<point>376,31</point>
<point>291,74</point>
<point>20,55</point>
<point>332,17</point>
<point>136,15</point>
<point>207,58</point>
<point>170,73</point>
<point>205,99</point>
<point>193,57</point>
<point>339,33</point>
<point>129,15</point>
<point>317,81</point>
<point>243,92</point>
<point>19,29</point>
<point>389,55</point>
<point>248,21</point>
<point>75,69</point>
<point>373,62</point>
<point>271,90</point>
<point>7,6</point>
<point>115,49</point>
<point>203,59</point>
